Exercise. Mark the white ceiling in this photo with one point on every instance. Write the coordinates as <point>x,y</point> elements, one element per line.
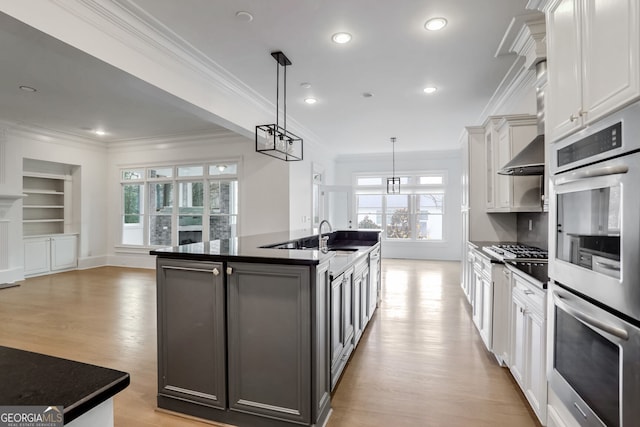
<point>391,55</point>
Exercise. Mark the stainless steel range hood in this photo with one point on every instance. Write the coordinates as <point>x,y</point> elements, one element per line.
<point>530,161</point>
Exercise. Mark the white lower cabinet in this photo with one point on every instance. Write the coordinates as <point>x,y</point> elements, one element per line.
<point>45,254</point>
<point>528,342</point>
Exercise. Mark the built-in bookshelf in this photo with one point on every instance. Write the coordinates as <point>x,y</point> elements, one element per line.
<point>44,204</point>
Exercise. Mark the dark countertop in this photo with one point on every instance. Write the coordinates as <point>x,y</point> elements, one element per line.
<point>535,272</point>
<point>36,379</point>
<point>248,249</point>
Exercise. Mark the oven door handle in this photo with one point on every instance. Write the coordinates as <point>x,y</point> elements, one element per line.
<point>589,320</point>
<point>592,173</point>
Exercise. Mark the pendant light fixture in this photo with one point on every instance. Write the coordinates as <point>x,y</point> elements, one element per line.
<point>275,140</point>
<point>393,183</point>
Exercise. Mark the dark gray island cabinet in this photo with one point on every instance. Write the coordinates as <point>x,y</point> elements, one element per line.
<point>255,336</point>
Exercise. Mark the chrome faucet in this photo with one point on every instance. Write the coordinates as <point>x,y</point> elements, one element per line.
<point>323,242</point>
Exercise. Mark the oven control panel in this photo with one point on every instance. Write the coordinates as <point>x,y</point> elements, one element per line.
<point>600,142</point>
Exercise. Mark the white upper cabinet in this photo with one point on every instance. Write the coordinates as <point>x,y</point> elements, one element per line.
<point>593,60</point>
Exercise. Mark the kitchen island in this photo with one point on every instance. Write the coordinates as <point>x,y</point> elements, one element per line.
<point>255,331</point>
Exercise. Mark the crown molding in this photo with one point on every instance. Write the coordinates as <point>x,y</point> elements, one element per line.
<point>177,141</point>
<point>51,136</point>
<point>126,22</point>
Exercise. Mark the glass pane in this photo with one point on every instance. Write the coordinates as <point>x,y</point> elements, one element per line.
<point>222,227</point>
<point>398,224</point>
<point>223,169</point>
<point>132,201</point>
<point>190,171</point>
<point>430,180</point>
<point>369,202</point>
<point>160,172</point>
<point>370,221</point>
<point>131,174</point>
<point>189,229</point>
<point>369,181</point>
<point>429,227</point>
<point>161,198</point>
<point>160,230</point>
<point>590,363</point>
<point>223,197</point>
<point>190,198</point>
<point>431,203</point>
<point>590,227</point>
<point>132,230</point>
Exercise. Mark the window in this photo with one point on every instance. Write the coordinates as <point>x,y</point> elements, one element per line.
<point>183,204</point>
<point>415,215</point>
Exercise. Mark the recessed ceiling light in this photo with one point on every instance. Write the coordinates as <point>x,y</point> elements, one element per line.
<point>435,24</point>
<point>305,85</point>
<point>99,132</point>
<point>28,88</point>
<point>310,100</point>
<point>341,38</point>
<point>430,89</point>
<point>244,16</point>
<point>367,94</point>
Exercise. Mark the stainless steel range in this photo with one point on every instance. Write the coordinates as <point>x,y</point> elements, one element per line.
<point>519,252</point>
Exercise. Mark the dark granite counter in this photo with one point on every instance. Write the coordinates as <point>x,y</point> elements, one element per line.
<point>252,248</point>
<point>28,378</point>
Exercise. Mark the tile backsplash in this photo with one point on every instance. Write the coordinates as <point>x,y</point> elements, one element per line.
<point>533,229</point>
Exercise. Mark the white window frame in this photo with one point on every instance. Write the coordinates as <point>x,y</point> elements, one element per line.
<point>147,185</point>
<point>413,189</point>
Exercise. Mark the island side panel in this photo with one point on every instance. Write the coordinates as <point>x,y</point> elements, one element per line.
<point>321,355</point>
<point>269,323</point>
<point>191,333</point>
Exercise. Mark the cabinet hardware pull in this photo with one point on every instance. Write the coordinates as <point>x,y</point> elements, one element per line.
<point>582,113</point>
<point>216,272</point>
<point>608,266</point>
<point>575,404</point>
<point>528,292</point>
<point>229,270</point>
<point>573,117</point>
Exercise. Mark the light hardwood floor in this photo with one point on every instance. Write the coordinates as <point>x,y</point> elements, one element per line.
<point>420,363</point>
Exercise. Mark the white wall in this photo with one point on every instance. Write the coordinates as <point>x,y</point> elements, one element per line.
<point>264,192</point>
<point>91,217</point>
<point>449,161</point>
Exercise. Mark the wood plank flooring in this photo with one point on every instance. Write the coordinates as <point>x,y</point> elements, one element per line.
<point>420,363</point>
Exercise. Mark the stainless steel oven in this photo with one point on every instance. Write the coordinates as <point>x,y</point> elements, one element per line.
<point>595,249</point>
<point>594,364</point>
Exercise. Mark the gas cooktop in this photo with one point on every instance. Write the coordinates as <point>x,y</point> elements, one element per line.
<point>516,252</point>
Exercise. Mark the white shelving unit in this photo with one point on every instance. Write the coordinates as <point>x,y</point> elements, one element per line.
<point>49,243</point>
<point>46,205</point>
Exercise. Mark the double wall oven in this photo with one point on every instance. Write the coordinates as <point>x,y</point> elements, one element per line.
<point>594,314</point>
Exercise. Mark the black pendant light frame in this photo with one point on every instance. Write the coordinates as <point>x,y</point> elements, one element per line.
<point>393,183</point>
<point>275,140</point>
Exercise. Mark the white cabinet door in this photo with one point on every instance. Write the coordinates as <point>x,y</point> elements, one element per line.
<point>63,252</point>
<point>564,95</point>
<point>536,391</point>
<point>528,351</point>
<point>486,314</point>
<point>611,44</point>
<point>593,61</point>
<point>490,140</point>
<point>501,314</point>
<point>36,255</point>
<point>518,349</point>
